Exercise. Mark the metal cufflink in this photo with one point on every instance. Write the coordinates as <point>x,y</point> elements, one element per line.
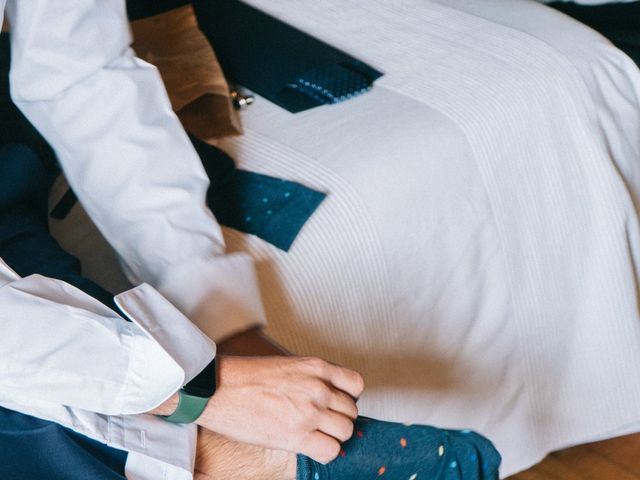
<point>240,101</point>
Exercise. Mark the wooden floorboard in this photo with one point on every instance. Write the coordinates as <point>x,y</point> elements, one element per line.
<point>617,459</point>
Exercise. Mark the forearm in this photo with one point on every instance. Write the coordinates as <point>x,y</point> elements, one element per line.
<point>218,457</point>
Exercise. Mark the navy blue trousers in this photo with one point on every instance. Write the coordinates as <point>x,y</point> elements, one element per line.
<point>30,448</point>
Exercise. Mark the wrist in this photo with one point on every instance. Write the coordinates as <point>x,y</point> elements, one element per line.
<point>211,414</point>
<point>189,403</point>
<point>167,407</point>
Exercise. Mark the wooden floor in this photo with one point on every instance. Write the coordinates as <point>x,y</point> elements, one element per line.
<point>617,459</point>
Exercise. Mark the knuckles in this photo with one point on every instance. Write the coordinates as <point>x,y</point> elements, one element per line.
<point>320,392</point>
<point>310,414</point>
<point>316,365</point>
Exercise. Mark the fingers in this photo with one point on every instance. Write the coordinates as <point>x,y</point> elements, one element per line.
<point>344,379</point>
<point>320,447</point>
<point>342,403</point>
<point>336,425</point>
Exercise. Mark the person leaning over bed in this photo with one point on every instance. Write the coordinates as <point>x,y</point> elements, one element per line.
<point>108,119</point>
<point>83,364</point>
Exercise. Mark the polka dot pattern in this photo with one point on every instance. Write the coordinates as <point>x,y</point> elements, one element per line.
<point>331,83</point>
<point>271,208</point>
<point>393,451</point>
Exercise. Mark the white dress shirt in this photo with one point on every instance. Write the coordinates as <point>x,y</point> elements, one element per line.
<point>64,356</point>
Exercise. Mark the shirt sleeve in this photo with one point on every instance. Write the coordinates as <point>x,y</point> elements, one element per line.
<point>107,116</point>
<point>61,346</point>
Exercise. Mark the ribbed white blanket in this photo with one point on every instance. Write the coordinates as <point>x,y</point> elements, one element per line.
<point>477,256</point>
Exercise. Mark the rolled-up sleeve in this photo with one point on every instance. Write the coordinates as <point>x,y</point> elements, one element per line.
<point>125,154</point>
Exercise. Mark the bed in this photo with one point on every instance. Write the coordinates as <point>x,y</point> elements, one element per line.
<point>477,255</point>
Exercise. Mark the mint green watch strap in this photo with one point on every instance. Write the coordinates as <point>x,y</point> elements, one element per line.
<point>189,408</point>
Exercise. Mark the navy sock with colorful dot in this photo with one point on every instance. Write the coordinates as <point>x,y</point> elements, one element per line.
<point>393,451</point>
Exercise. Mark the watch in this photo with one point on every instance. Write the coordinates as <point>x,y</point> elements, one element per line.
<point>194,396</point>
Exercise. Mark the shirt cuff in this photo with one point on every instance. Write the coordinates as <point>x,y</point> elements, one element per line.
<point>156,449</point>
<point>219,294</point>
<point>171,353</point>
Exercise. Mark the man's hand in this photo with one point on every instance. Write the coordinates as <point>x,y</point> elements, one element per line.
<point>301,405</point>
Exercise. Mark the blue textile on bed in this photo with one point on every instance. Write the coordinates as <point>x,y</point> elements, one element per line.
<point>271,208</point>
